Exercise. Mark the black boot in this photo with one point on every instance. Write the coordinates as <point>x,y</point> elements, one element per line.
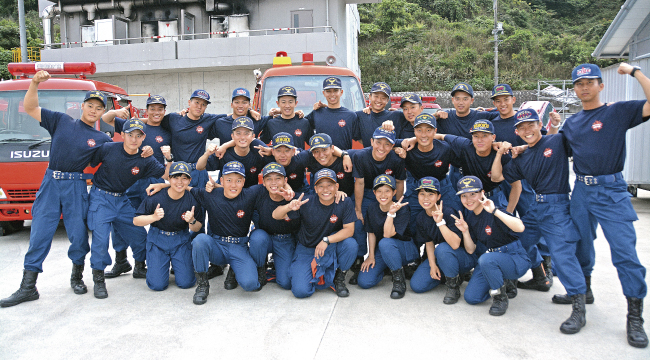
<point>339,283</point>
<point>202,288</point>
<point>410,268</point>
<point>261,277</point>
<point>453,290</point>
<point>548,265</point>
<point>566,300</point>
<point>356,268</point>
<point>231,281</point>
<point>578,316</point>
<point>540,281</point>
<point>100,286</point>
<point>399,284</point>
<point>214,271</point>
<point>140,271</point>
<point>26,292</point>
<point>499,301</point>
<point>76,279</point>
<point>120,267</point>
<point>511,288</point>
<point>636,336</point>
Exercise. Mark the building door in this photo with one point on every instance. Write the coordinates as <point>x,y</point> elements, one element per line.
<point>302,18</point>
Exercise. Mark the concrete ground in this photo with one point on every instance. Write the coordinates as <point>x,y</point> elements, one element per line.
<point>135,322</point>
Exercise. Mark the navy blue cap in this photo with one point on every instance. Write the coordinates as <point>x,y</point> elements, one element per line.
<point>233,167</point>
<point>156,99</point>
<point>526,115</point>
<point>320,141</point>
<point>482,125</point>
<point>96,94</point>
<point>428,182</point>
<point>385,134</point>
<point>501,89</point>
<point>282,139</point>
<point>244,122</point>
<point>133,124</point>
<point>463,87</point>
<point>324,173</point>
<point>332,82</point>
<point>240,92</point>
<point>201,94</point>
<point>586,71</point>
<point>469,184</point>
<point>412,98</point>
<point>384,179</point>
<point>273,168</point>
<point>180,168</point>
<point>287,91</point>
<point>380,87</point>
<point>427,119</point>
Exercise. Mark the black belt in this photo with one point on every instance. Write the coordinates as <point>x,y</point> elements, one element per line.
<point>600,179</point>
<point>551,198</point>
<point>116,194</point>
<point>512,246</point>
<point>62,175</point>
<point>232,239</point>
<point>282,236</point>
<point>492,192</point>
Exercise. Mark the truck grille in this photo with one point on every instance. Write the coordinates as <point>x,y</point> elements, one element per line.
<point>22,194</point>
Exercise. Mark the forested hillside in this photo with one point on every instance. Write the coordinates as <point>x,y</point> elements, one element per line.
<point>421,45</point>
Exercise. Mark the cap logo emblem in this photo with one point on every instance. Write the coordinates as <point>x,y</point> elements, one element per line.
<point>524,115</point>
<point>500,88</point>
<point>583,71</point>
<point>331,81</point>
<point>467,182</point>
<point>427,182</point>
<point>241,92</point>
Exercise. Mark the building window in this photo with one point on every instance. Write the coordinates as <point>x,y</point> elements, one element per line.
<point>302,18</point>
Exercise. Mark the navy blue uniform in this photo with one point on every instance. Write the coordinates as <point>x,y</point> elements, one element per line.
<point>460,125</point>
<point>316,222</point>
<point>222,128</point>
<point>300,129</point>
<point>594,136</point>
<point>168,240</point>
<point>343,178</point>
<point>508,260</point>
<point>393,252</point>
<point>73,145</point>
<point>295,170</point>
<point>341,124</point>
<point>279,234</point>
<point>109,207</point>
<point>229,228</point>
<point>546,167</point>
<point>253,163</point>
<point>368,123</point>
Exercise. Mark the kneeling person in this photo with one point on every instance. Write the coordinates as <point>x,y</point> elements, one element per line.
<point>171,215</point>
<point>324,239</point>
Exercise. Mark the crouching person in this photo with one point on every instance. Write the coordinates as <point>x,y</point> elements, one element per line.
<point>171,214</point>
<point>326,248</point>
<point>487,227</point>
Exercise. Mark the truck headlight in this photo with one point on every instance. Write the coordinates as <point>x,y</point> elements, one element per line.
<point>3,195</point>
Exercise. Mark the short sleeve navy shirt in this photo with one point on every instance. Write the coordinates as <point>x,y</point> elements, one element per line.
<point>189,136</point>
<point>157,137</point>
<point>253,163</point>
<point>433,163</point>
<point>174,210</point>
<point>488,229</point>
<point>265,206</point>
<point>300,129</point>
<point>427,230</point>
<point>460,125</point>
<point>295,170</point>
<point>343,178</point>
<point>341,124</point>
<point>318,220</point>
<point>222,128</point>
<point>368,123</point>
<point>472,163</point>
<point>120,170</point>
<point>366,167</point>
<point>376,218</point>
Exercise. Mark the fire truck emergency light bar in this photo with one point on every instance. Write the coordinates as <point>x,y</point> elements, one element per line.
<point>54,68</point>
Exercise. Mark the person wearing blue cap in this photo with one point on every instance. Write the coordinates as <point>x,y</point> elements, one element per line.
<point>375,115</point>
<point>324,238</point>
<point>444,250</point>
<point>109,208</point>
<point>600,193</point>
<point>292,159</point>
<point>279,234</point>
<point>325,155</point>
<point>333,118</point>
<point>288,121</point>
<point>492,233</point>
<point>159,140</point>
<point>545,164</point>
<point>389,238</point>
<point>171,214</point>
<point>241,106</point>
<point>63,189</point>
<point>367,164</point>
<point>411,105</point>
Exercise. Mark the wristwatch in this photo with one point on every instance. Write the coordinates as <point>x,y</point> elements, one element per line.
<point>634,69</point>
<point>193,222</point>
<point>171,158</point>
<point>344,153</point>
<point>326,240</point>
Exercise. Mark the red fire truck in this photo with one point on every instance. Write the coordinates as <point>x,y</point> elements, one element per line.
<point>24,144</point>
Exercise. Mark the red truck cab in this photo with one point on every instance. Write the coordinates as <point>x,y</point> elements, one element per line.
<point>25,145</point>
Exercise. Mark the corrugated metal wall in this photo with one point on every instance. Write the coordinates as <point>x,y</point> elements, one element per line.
<point>620,88</point>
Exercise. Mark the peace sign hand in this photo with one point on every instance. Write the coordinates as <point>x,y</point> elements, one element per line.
<point>460,223</point>
<point>437,214</point>
<point>395,206</point>
<point>297,203</point>
<point>488,205</point>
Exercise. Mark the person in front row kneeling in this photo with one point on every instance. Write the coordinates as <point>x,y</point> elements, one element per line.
<point>492,233</point>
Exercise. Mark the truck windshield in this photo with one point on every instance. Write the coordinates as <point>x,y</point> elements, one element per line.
<point>16,125</point>
<point>310,90</point>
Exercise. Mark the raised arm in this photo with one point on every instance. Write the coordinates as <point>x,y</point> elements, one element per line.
<point>496,173</point>
<point>626,69</point>
<point>30,103</point>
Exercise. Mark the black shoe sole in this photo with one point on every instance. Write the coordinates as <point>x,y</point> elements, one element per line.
<point>10,304</point>
<point>396,295</point>
<point>113,274</point>
<point>564,300</point>
<point>80,289</point>
<point>101,296</point>
<point>638,345</point>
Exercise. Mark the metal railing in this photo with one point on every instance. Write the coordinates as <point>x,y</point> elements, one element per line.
<point>260,32</point>
<point>33,54</point>
<point>559,92</point>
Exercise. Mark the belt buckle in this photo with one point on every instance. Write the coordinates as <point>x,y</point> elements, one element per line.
<point>590,180</point>
<point>56,174</point>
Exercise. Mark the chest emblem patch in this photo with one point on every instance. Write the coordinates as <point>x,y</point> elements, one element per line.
<point>91,142</point>
<point>240,214</point>
<point>596,126</point>
<point>438,163</point>
<point>341,123</point>
<point>333,219</point>
<point>199,129</point>
<point>298,132</point>
<point>488,230</point>
<point>548,152</point>
<point>159,139</point>
<point>135,170</point>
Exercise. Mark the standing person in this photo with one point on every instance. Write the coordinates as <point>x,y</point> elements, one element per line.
<point>63,189</point>
<point>367,164</point>
<point>546,166</point>
<point>333,119</point>
<point>377,114</point>
<point>288,121</point>
<point>411,105</point>
<point>324,239</point>
<point>122,166</point>
<point>241,106</point>
<point>171,214</point>
<point>492,232</point>
<point>389,239</point>
<point>600,193</point>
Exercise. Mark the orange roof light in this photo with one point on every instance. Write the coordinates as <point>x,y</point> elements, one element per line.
<point>281,59</point>
<point>55,68</point>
